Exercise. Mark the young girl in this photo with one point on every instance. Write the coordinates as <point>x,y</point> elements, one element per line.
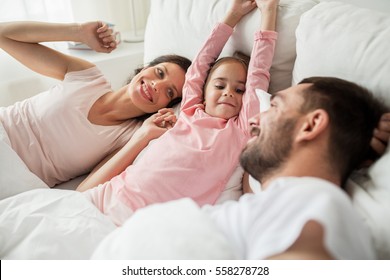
<point>66,131</point>
<point>198,155</point>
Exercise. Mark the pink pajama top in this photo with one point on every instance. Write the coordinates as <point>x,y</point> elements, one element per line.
<point>51,132</point>
<point>198,155</point>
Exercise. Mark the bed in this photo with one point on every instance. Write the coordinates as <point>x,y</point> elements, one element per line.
<point>315,38</point>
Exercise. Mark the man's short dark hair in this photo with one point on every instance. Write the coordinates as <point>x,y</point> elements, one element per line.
<point>354,113</point>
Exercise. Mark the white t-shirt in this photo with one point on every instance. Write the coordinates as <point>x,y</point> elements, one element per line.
<point>51,132</point>
<point>267,223</point>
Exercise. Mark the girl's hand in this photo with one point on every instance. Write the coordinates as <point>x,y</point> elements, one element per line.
<point>239,9</point>
<point>98,36</point>
<point>267,5</point>
<point>380,140</point>
<point>243,7</point>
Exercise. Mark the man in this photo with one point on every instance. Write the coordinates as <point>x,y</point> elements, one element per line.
<point>302,151</point>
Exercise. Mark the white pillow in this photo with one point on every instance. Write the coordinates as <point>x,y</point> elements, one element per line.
<point>181,26</point>
<point>341,40</point>
<point>370,194</point>
<point>15,177</point>
<point>344,41</point>
<point>161,231</point>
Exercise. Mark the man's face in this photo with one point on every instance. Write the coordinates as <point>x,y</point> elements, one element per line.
<point>273,134</point>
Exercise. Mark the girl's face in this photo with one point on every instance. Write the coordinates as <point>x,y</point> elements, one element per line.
<point>224,89</point>
<point>154,87</point>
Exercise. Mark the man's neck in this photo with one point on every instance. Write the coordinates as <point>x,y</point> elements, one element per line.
<point>311,166</point>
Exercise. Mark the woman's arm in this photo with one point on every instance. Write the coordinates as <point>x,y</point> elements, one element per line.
<point>116,163</point>
<point>21,40</point>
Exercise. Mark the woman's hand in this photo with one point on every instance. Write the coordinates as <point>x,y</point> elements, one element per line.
<point>157,124</point>
<point>98,36</point>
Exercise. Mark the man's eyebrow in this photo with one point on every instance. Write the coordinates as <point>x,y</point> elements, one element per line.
<point>274,95</point>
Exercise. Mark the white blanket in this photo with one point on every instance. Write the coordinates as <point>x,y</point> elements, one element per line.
<point>50,224</point>
<point>63,224</point>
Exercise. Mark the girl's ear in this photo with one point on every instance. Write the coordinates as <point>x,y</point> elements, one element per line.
<point>314,124</point>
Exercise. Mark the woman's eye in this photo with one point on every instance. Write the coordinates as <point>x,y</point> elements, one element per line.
<point>170,94</point>
<point>160,73</point>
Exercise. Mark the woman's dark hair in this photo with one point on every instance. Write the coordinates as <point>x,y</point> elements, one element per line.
<point>353,112</point>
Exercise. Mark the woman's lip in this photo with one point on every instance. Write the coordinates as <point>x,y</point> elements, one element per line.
<point>145,91</point>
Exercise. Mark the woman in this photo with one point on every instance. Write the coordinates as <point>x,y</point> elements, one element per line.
<point>66,131</point>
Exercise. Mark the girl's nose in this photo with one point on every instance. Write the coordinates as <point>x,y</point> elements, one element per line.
<point>228,93</point>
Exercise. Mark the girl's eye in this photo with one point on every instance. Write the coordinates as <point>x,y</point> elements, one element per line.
<point>240,91</point>
<point>219,87</point>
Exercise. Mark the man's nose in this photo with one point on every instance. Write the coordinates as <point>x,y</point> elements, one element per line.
<point>255,120</point>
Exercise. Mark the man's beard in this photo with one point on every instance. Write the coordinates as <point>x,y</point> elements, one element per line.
<point>267,153</point>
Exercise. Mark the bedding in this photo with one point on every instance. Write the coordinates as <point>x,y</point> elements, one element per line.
<point>327,38</point>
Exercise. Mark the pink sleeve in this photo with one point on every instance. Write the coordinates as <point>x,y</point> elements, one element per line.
<point>258,74</point>
<point>197,73</point>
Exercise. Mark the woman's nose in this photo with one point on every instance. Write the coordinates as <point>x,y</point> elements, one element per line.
<point>155,85</point>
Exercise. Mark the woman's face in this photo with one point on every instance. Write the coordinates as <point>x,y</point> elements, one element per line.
<point>154,87</point>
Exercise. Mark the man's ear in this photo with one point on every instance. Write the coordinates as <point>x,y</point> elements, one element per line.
<point>313,125</point>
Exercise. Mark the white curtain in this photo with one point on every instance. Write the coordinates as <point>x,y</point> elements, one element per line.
<point>42,10</point>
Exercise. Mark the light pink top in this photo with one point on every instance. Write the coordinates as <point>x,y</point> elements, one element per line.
<point>198,155</point>
<point>51,131</point>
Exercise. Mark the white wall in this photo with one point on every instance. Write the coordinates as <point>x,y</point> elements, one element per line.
<point>17,82</point>
<point>114,11</point>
